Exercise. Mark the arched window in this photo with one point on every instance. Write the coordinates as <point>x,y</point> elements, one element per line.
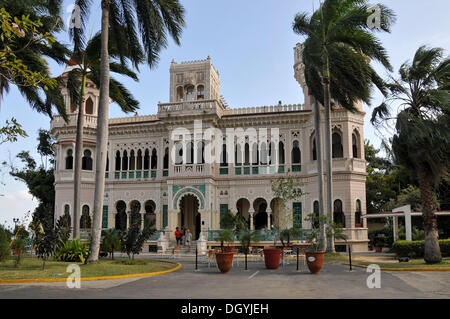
<point>135,216</point>
<point>338,150</point>
<point>338,214</point>
<point>86,163</point>
<point>179,154</point>
<point>89,109</point>
<point>238,155</point>
<point>139,160</point>
<point>264,155</point>
<point>121,216</point>
<point>125,161</point>
<point>118,159</point>
<point>314,149</point>
<point>190,93</point>
<point>67,215</point>
<point>272,153</point>
<point>200,92</point>
<point>190,153</point>
<point>150,216</point>
<point>132,161</point>
<point>166,158</point>
<point>358,214</point>
<point>281,152</point>
<point>247,154</point>
<point>147,159</point>
<point>154,159</point>
<point>180,94</point>
<point>224,156</point>
<point>355,145</point>
<point>69,159</point>
<point>200,153</point>
<point>296,154</point>
<point>255,154</point>
<point>85,220</point>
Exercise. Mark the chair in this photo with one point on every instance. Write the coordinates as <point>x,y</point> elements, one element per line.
<point>211,257</point>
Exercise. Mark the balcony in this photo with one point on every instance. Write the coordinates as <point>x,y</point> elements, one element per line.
<point>90,121</point>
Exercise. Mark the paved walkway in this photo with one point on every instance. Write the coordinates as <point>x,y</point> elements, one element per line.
<point>335,281</point>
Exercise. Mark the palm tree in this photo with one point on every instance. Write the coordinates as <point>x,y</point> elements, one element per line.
<point>422,129</point>
<point>87,67</point>
<point>337,52</point>
<point>110,241</point>
<point>40,97</point>
<point>155,20</point>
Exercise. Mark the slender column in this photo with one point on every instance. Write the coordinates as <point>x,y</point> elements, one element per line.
<point>269,212</point>
<point>252,225</point>
<point>395,227</point>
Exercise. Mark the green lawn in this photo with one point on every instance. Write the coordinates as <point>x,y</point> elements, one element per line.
<point>413,263</point>
<point>31,268</point>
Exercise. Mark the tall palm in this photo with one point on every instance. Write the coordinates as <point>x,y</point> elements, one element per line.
<point>422,129</point>
<point>40,97</point>
<point>87,64</point>
<point>155,20</point>
<point>337,52</point>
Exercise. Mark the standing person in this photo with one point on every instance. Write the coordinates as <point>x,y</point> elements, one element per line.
<point>178,235</point>
<point>188,238</point>
<point>183,233</point>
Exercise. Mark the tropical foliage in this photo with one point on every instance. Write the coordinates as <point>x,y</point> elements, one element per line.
<point>132,239</point>
<point>422,134</point>
<point>73,251</point>
<point>110,241</point>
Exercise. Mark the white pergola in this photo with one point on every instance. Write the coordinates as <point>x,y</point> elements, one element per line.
<point>404,211</point>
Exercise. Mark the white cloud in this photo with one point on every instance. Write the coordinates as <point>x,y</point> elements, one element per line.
<point>16,204</point>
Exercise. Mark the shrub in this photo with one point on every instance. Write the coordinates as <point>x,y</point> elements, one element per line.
<point>5,248</point>
<point>73,251</point>
<point>415,249</point>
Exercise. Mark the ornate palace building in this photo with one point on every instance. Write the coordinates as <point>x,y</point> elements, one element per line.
<point>163,170</point>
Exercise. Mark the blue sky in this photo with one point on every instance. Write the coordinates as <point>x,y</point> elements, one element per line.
<point>251,45</point>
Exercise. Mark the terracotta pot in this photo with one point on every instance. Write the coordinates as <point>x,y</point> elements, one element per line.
<point>378,249</point>
<point>272,257</point>
<point>224,261</point>
<point>314,259</point>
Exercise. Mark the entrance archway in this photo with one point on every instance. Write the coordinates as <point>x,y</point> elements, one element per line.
<point>260,219</point>
<point>243,206</point>
<point>189,217</point>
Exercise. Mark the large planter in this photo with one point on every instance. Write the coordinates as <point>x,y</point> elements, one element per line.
<point>378,249</point>
<point>272,257</point>
<point>228,249</point>
<point>314,259</point>
<point>224,261</point>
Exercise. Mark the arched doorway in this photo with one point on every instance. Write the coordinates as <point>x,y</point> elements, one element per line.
<point>189,217</point>
<point>121,215</point>
<point>260,219</point>
<point>150,216</point>
<point>243,206</point>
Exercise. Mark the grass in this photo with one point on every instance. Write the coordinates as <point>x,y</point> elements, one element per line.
<point>31,268</point>
<point>413,263</point>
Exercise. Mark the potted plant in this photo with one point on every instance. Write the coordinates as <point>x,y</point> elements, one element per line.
<point>315,254</point>
<point>247,237</point>
<point>224,258</point>
<point>379,243</point>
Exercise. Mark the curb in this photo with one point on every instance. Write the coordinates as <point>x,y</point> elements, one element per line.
<point>19,281</point>
<point>405,269</point>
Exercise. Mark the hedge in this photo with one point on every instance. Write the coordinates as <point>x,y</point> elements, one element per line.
<point>404,248</point>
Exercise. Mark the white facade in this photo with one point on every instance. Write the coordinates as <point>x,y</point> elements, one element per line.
<point>176,191</point>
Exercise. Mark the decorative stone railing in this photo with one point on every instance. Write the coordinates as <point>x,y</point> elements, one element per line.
<point>89,121</point>
<point>264,109</point>
<point>132,119</point>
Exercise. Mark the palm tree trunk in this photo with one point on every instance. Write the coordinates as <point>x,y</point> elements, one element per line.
<point>432,250</point>
<point>102,136</point>
<point>78,159</point>
<point>319,163</point>
<point>329,208</point>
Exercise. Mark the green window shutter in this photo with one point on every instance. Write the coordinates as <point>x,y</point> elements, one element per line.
<point>165,216</point>
<point>105,217</point>
<point>223,210</point>
<point>297,215</point>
